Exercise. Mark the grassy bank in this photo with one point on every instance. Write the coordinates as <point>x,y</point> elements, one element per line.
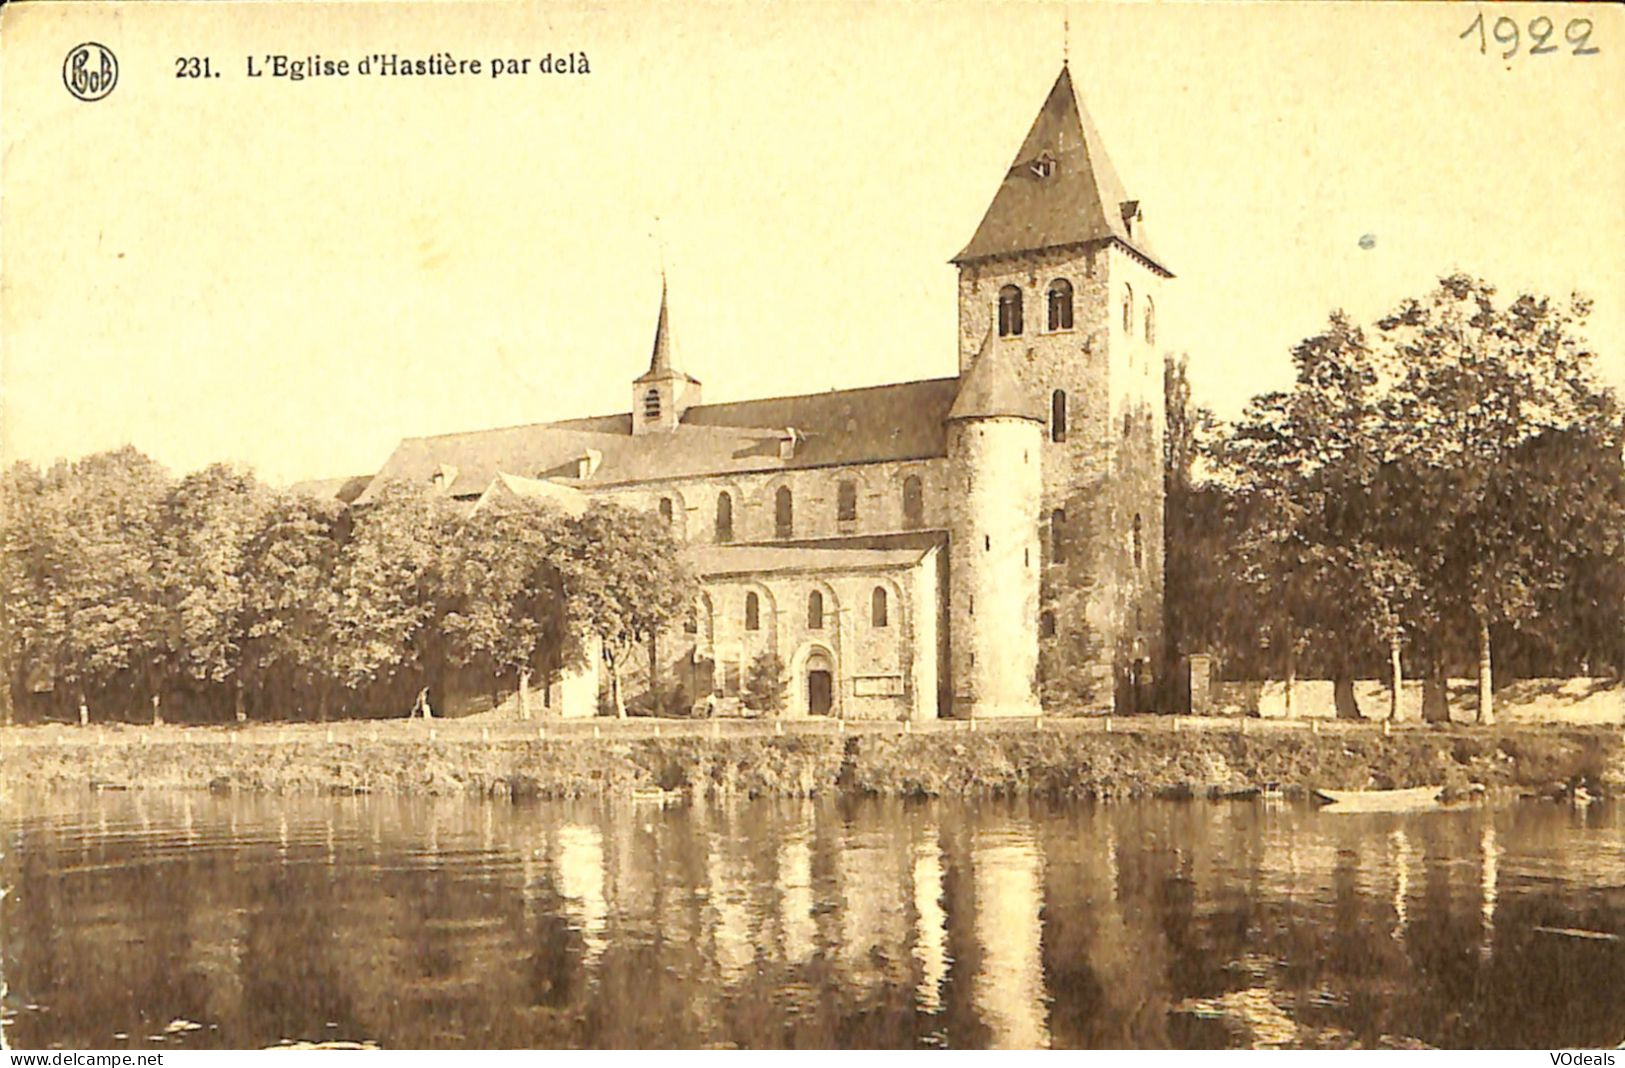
<point>1139,758</point>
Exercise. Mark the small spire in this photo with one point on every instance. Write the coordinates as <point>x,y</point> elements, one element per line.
<point>660,361</point>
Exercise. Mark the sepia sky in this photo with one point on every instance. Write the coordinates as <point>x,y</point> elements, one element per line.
<point>295,275</point>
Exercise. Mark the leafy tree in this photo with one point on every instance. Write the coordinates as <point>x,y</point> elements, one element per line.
<point>767,685</point>
<point>506,597</point>
<point>207,520</point>
<point>622,580</point>
<point>389,587</point>
<point>1479,387</point>
<point>81,581</point>
<point>289,597</point>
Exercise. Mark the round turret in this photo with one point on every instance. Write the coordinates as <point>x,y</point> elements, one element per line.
<point>994,442</point>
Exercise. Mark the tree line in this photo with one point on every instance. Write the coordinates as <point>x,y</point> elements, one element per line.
<point>1438,491</point>
<point>136,595</point>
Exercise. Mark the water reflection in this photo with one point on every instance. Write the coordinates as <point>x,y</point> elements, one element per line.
<point>424,923</point>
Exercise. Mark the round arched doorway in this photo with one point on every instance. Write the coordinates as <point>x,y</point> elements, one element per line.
<point>819,683</point>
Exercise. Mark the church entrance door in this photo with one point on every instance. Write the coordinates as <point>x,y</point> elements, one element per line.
<point>820,692</point>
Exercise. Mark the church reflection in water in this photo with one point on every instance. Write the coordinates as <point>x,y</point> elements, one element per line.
<point>804,923</point>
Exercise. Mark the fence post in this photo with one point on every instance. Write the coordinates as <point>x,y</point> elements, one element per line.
<point>485,734</point>
<point>431,734</point>
<point>1108,724</point>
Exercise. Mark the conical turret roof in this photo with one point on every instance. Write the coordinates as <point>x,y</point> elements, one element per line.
<point>1060,190</point>
<point>990,389</point>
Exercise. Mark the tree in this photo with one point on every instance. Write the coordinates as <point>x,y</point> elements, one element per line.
<point>1481,391</point>
<point>505,594</point>
<point>207,520</point>
<point>389,587</point>
<point>81,580</point>
<point>289,597</point>
<point>766,684</point>
<point>622,581</point>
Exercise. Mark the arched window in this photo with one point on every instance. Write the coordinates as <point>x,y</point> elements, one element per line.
<point>1128,309</point>
<point>1009,312</point>
<point>665,509</point>
<point>651,405</point>
<point>1057,415</point>
<point>846,501</point>
<point>1139,547</point>
<point>783,513</point>
<point>1057,536</point>
<point>1046,624</point>
<point>877,607</point>
<point>1060,304</point>
<point>815,611</point>
<point>753,612</point>
<point>1150,320</point>
<point>691,620</point>
<point>725,517</point>
<point>913,503</point>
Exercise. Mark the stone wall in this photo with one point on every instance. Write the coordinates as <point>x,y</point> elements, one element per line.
<point>885,672</point>
<point>813,493</point>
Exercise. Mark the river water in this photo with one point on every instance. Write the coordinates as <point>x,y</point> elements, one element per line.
<point>251,921</point>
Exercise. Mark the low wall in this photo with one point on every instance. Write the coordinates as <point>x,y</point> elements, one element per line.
<point>1580,700</point>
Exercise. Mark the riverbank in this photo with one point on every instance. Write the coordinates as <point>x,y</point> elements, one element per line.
<point>1055,758</point>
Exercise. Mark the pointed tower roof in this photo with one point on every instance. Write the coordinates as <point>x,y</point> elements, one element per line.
<point>990,388</point>
<point>1061,189</point>
<point>660,366</point>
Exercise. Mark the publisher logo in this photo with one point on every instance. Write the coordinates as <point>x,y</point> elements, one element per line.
<point>90,71</point>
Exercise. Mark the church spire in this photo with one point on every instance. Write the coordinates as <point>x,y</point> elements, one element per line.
<point>1060,190</point>
<point>662,394</point>
<point>660,362</point>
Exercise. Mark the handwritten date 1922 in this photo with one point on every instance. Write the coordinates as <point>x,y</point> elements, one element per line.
<point>1507,33</point>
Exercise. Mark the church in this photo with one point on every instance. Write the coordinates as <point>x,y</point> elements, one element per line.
<point>985,544</point>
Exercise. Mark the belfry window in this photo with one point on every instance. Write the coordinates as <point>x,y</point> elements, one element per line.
<point>753,612</point>
<point>1150,321</point>
<point>725,518</point>
<point>1128,309</point>
<point>1060,304</point>
<point>846,501</point>
<point>815,611</point>
<point>783,513</point>
<point>1057,415</point>
<point>878,614</point>
<point>913,503</point>
<point>1009,312</point>
<point>1139,541</point>
<point>651,405</point>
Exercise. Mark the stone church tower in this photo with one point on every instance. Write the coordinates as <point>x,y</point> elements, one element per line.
<point>1061,283</point>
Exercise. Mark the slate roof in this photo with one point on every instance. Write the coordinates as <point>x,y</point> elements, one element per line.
<point>1080,200</point>
<point>505,488</point>
<point>904,421</point>
<point>343,490</point>
<point>712,560</point>
<point>990,387</point>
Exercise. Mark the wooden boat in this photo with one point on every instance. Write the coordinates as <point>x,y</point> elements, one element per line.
<point>653,795</point>
<point>1419,797</point>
